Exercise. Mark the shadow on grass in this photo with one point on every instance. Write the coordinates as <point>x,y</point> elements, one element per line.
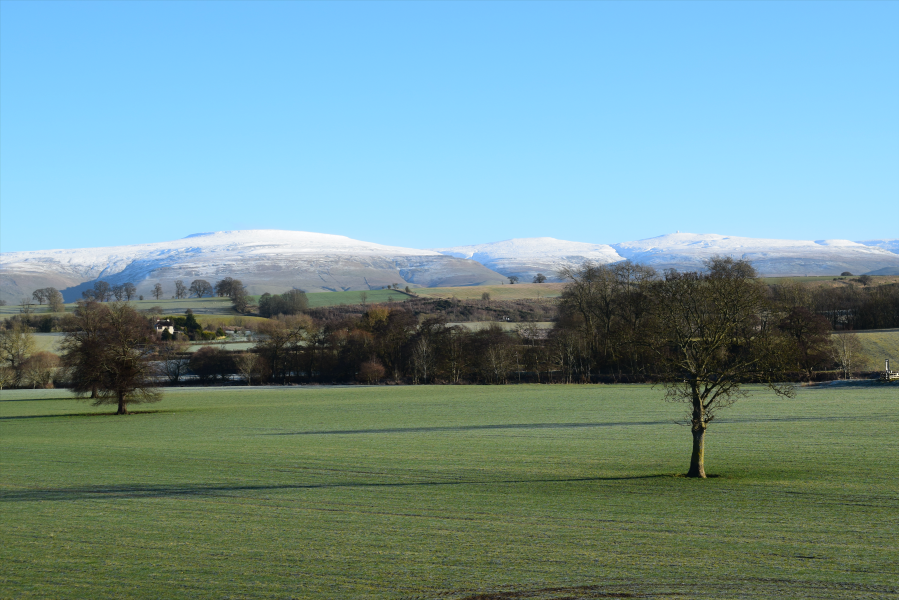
<point>103,492</point>
<point>470,428</point>
<point>56,399</point>
<point>92,414</point>
<point>505,426</point>
<point>718,587</point>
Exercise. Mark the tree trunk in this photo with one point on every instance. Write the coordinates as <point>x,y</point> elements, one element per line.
<point>697,459</point>
<point>122,410</point>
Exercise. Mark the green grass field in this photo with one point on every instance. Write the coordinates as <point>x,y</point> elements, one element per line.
<point>876,346</point>
<point>497,292</point>
<point>320,299</point>
<point>448,492</point>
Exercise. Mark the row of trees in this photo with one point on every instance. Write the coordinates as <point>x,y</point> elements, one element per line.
<point>848,307</point>
<point>289,303</point>
<point>104,292</point>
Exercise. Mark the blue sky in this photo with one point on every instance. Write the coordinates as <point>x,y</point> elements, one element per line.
<point>427,124</point>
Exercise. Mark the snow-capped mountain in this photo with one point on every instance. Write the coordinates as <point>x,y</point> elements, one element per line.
<point>265,260</point>
<point>687,251</point>
<point>525,257</point>
<point>891,245</point>
<point>274,261</point>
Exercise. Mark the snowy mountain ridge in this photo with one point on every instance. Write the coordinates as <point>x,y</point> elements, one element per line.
<point>265,260</point>
<point>687,251</point>
<point>275,260</point>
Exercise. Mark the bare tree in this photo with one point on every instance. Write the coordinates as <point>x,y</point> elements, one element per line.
<point>130,290</point>
<point>200,288</point>
<point>157,291</point>
<point>7,377</point>
<point>711,340</point>
<point>371,371</point>
<point>16,345</point>
<point>39,369</point>
<point>119,370</point>
<point>54,300</point>
<point>82,348</point>
<point>180,289</point>
<point>423,357</point>
<point>239,297</point>
<point>102,291</point>
<point>119,292</point>
<point>174,360</point>
<point>363,298</point>
<point>246,365</point>
<point>26,307</point>
<point>846,351</point>
<point>513,279</point>
<point>539,278</point>
<point>223,287</point>
<point>40,295</point>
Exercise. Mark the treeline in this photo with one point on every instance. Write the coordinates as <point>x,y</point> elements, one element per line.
<point>384,343</point>
<point>455,310</point>
<point>848,307</point>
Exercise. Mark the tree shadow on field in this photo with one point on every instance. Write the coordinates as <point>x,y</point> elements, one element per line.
<point>718,587</point>
<point>506,426</point>
<point>187,490</point>
<point>92,414</point>
<point>451,428</point>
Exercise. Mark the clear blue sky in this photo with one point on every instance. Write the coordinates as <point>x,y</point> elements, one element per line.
<point>428,124</point>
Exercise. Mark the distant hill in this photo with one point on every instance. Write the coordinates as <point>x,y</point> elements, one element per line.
<point>265,260</point>
<point>686,251</point>
<point>275,261</point>
<point>526,257</point>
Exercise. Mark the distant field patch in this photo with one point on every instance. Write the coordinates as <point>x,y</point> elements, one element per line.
<point>497,292</point>
<point>320,299</point>
<point>877,346</point>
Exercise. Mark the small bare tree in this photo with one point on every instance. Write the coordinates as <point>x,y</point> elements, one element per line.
<point>371,371</point>
<point>246,365</point>
<point>180,289</point>
<point>422,360</point>
<point>157,291</point>
<point>26,307</point>
<point>174,360</point>
<point>846,350</point>
<point>39,368</point>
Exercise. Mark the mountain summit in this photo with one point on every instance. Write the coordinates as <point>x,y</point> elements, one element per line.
<point>269,260</point>
<point>265,260</point>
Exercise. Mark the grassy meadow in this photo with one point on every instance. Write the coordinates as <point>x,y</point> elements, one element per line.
<point>876,346</point>
<point>448,492</point>
<point>497,292</point>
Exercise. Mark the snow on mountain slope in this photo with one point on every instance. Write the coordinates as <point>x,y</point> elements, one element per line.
<point>891,245</point>
<point>525,257</point>
<point>687,251</point>
<point>265,260</point>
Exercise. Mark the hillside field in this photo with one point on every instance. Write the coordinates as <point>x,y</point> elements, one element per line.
<point>497,292</point>
<point>448,492</point>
